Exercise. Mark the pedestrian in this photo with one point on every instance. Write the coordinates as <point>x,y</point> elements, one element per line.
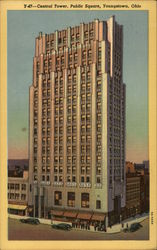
<point>127,225</point>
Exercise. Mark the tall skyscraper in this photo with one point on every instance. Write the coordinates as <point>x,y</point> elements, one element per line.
<point>77,123</point>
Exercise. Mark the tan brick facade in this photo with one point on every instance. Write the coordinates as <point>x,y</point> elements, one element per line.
<point>77,120</point>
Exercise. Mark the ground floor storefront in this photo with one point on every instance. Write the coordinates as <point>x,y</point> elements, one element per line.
<point>18,209</point>
<point>80,219</point>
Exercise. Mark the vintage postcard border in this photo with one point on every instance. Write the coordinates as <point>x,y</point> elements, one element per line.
<point>150,244</point>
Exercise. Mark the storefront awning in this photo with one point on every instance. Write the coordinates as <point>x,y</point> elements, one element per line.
<point>71,214</point>
<point>85,216</point>
<point>99,217</point>
<point>18,207</point>
<point>58,213</point>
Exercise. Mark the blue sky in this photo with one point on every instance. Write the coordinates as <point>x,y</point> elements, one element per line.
<point>24,26</point>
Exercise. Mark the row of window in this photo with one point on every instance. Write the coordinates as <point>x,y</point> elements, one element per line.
<point>85,200</point>
<point>16,196</point>
<point>16,186</point>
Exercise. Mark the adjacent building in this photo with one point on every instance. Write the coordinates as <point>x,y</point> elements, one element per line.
<point>77,124</point>
<point>17,165</point>
<point>133,194</point>
<point>137,189</point>
<point>18,193</point>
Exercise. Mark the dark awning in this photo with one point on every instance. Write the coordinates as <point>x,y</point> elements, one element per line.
<point>85,216</point>
<point>99,217</point>
<point>71,214</point>
<point>57,212</point>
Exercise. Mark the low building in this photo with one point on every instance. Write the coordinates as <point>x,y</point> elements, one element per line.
<point>137,189</point>
<point>18,193</point>
<point>130,167</point>
<point>133,197</point>
<point>144,190</point>
<point>18,164</point>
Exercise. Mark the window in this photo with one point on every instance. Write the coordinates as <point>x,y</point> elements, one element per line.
<point>98,179</point>
<point>12,196</point>
<point>43,169</point>
<point>82,178</point>
<point>87,179</point>
<point>68,179</point>
<point>23,186</point>
<point>77,36</point>
<point>87,170</point>
<point>35,178</point>
<point>17,186</point>
<point>44,159</point>
<point>98,204</point>
<point>73,179</point>
<point>90,53</point>
<point>60,178</point>
<point>17,196</point>
<point>75,56</point>
<point>85,200</point>
<point>58,198</point>
<point>99,53</point>
<point>71,199</point>
<point>82,170</point>
<point>23,197</point>
<point>59,40</point>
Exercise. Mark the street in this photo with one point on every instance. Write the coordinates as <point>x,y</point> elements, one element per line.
<point>21,231</point>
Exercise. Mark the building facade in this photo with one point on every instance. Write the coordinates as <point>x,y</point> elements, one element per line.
<point>137,189</point>
<point>133,194</point>
<point>77,122</point>
<point>18,193</point>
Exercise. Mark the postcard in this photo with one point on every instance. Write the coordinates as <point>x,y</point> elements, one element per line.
<point>78,125</point>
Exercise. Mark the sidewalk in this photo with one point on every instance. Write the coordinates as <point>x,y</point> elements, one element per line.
<point>118,227</point>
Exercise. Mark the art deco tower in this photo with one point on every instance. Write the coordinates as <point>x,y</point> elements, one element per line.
<point>77,123</point>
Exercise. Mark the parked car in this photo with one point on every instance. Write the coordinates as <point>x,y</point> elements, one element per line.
<point>62,226</point>
<point>32,221</point>
<point>134,227</point>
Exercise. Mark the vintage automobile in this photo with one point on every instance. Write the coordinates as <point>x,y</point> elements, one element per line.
<point>62,226</point>
<point>134,227</point>
<point>32,221</point>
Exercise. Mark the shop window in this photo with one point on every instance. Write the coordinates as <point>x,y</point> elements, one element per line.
<point>58,198</point>
<point>71,199</point>
<point>85,200</point>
